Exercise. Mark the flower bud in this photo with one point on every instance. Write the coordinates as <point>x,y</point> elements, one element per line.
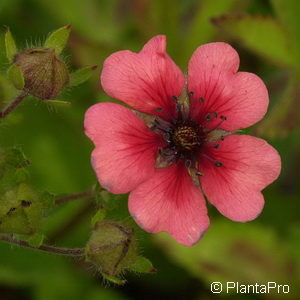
<point>111,247</point>
<point>45,74</point>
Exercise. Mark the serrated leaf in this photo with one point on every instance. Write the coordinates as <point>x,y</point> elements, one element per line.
<point>201,30</point>
<point>285,114</point>
<point>81,75</point>
<point>143,265</point>
<point>10,46</point>
<point>235,252</point>
<point>58,39</point>
<point>262,35</point>
<point>16,77</point>
<point>288,13</point>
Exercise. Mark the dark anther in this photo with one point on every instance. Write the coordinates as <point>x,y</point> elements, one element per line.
<point>178,107</point>
<point>175,98</point>
<point>25,203</point>
<point>190,94</point>
<point>208,117</point>
<point>167,137</point>
<point>218,164</point>
<point>223,118</point>
<point>159,109</point>
<point>216,146</point>
<point>188,163</point>
<point>201,99</point>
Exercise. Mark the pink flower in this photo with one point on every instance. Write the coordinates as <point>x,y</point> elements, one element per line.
<point>186,148</point>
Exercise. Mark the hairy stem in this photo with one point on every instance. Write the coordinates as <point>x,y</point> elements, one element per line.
<point>85,194</point>
<point>45,248</point>
<point>12,105</point>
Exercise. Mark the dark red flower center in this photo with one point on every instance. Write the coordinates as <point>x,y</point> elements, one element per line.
<point>187,139</point>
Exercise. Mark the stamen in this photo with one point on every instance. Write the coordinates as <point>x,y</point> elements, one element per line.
<point>223,118</point>
<point>159,109</point>
<point>167,137</point>
<point>175,98</point>
<point>218,164</point>
<point>190,94</point>
<point>178,107</point>
<point>167,152</point>
<point>215,162</point>
<point>198,106</point>
<point>216,146</point>
<point>188,163</point>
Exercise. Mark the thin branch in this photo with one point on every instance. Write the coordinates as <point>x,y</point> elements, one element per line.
<point>12,105</point>
<point>45,248</point>
<point>85,194</point>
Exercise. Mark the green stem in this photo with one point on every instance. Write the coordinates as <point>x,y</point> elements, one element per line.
<point>45,248</point>
<point>13,105</point>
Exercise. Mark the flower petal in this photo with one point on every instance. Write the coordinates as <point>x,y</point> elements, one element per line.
<point>169,201</point>
<point>249,165</point>
<point>146,80</point>
<point>125,148</point>
<point>212,75</point>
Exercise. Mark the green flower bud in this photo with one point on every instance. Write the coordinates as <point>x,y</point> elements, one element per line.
<point>111,247</point>
<point>45,74</point>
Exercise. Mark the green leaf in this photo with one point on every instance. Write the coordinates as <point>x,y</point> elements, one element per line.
<point>10,46</point>
<point>285,114</point>
<point>21,210</point>
<point>262,35</point>
<point>201,29</point>
<point>58,39</point>
<point>15,75</point>
<point>81,75</point>
<point>245,253</point>
<point>143,265</point>
<point>288,13</point>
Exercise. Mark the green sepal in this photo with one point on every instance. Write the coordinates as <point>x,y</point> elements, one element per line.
<point>15,75</point>
<point>111,247</point>
<point>58,39</point>
<point>99,216</point>
<point>81,75</point>
<point>114,279</point>
<point>10,46</point>
<point>36,239</point>
<point>142,265</point>
<point>216,135</point>
<point>59,103</point>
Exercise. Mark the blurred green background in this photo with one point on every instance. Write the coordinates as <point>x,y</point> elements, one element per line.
<point>267,36</point>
